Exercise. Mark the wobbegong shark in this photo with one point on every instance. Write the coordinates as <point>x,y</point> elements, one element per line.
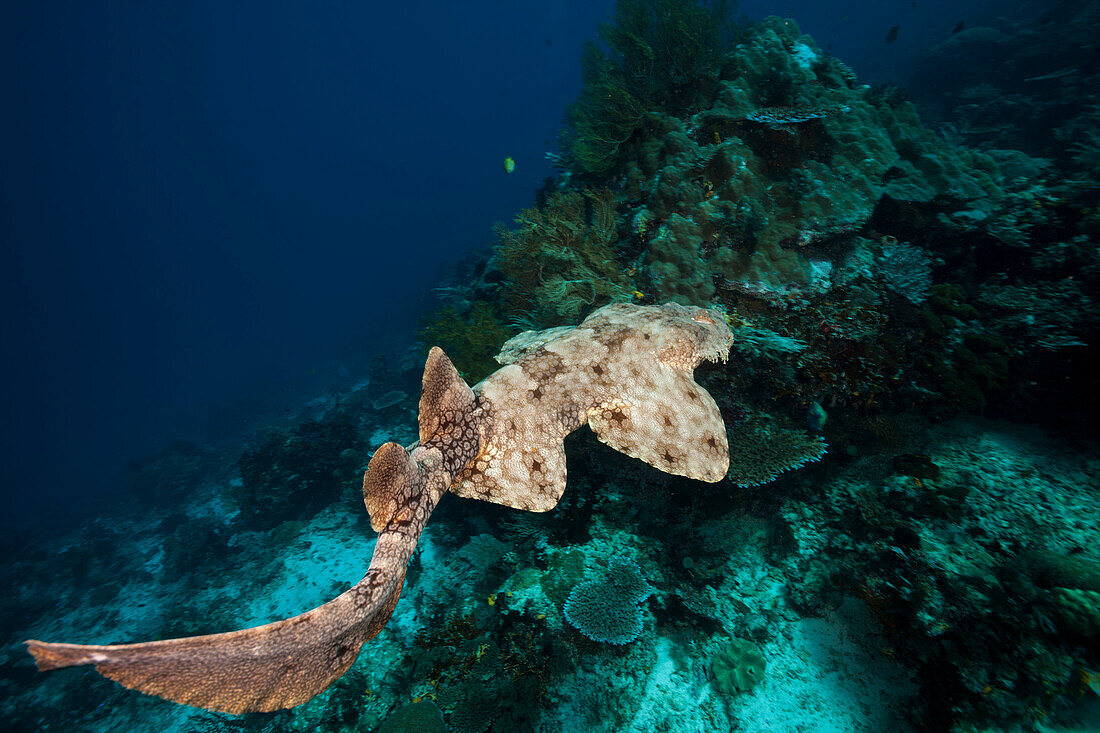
<point>626,371</point>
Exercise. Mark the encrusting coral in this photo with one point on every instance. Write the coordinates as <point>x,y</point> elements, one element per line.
<point>626,371</point>
<point>738,668</point>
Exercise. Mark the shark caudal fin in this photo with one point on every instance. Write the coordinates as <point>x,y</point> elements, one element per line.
<point>261,669</point>
<point>282,664</point>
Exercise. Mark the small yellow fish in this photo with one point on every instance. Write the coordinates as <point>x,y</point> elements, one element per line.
<point>509,165</point>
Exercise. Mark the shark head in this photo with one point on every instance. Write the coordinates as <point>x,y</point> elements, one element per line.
<point>681,336</point>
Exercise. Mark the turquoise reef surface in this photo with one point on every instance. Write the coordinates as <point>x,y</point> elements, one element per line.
<point>844,580</point>
<point>906,537</point>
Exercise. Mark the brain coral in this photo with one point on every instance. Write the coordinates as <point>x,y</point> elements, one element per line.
<point>607,609</point>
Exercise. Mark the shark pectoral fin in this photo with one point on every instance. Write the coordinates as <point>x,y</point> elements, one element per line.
<point>521,458</point>
<point>522,471</point>
<point>445,399</point>
<point>261,669</point>
<point>668,421</point>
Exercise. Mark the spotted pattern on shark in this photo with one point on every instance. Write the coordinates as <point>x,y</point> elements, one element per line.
<point>626,371</point>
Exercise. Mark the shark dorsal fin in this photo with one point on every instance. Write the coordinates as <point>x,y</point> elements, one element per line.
<point>445,399</point>
<point>388,484</point>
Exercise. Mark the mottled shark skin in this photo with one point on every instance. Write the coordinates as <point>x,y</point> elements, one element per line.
<point>626,371</point>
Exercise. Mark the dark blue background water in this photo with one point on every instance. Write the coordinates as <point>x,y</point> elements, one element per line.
<point>214,204</point>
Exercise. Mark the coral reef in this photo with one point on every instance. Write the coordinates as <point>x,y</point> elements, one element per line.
<point>739,667</point>
<point>883,284</point>
<point>175,471</point>
<point>606,609</point>
<point>1027,81</point>
<point>419,717</point>
<point>292,475</point>
<point>761,451</point>
<point>558,261</point>
<point>745,187</point>
<point>659,51</point>
<point>937,560</point>
<point>471,337</point>
<point>880,273</point>
<point>907,270</point>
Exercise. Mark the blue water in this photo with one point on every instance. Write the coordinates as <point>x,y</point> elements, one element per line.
<point>219,218</point>
<point>208,206</point>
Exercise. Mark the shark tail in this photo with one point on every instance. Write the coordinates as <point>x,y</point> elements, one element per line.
<point>285,663</point>
<point>264,668</point>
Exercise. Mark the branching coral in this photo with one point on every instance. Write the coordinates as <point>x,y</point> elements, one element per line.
<point>607,609</point>
<point>561,258</point>
<point>471,338</point>
<point>658,49</point>
<point>761,451</point>
<point>665,45</point>
<point>604,116</point>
